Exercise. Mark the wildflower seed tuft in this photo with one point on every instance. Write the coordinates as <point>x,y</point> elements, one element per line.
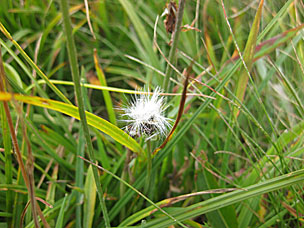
<point>145,116</point>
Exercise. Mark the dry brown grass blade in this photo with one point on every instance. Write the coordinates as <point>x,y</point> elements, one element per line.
<point>294,212</point>
<point>88,18</point>
<point>173,200</point>
<point>27,176</point>
<point>179,115</point>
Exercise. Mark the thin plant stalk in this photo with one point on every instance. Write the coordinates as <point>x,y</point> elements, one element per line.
<point>75,75</point>
<point>27,180</point>
<point>149,167</point>
<point>122,187</point>
<point>8,162</point>
<point>180,12</point>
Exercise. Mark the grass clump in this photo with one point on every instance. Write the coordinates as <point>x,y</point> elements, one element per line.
<point>235,155</point>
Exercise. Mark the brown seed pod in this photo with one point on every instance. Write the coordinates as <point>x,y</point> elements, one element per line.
<point>170,12</point>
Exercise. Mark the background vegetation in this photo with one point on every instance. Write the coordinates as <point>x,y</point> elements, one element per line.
<point>236,157</point>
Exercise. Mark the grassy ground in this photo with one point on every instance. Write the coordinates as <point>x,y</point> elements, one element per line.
<point>236,156</point>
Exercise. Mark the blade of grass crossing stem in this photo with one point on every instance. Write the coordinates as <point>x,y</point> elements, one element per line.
<point>47,147</point>
<point>283,141</point>
<point>75,74</point>
<point>292,91</point>
<point>24,68</point>
<point>86,99</point>
<point>230,198</point>
<point>27,174</point>
<point>224,217</point>
<point>104,158</point>
<point>33,65</point>
<point>271,44</point>
<point>275,20</point>
<point>60,218</point>
<point>106,94</point>
<point>54,22</point>
<point>8,162</point>
<point>89,198</point>
<point>243,77</point>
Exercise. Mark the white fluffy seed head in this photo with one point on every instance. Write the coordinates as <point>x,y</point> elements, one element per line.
<point>145,116</point>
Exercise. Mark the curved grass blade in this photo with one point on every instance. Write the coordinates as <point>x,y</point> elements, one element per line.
<point>231,198</point>
<point>71,110</point>
<point>179,115</point>
<point>248,58</point>
<point>167,202</point>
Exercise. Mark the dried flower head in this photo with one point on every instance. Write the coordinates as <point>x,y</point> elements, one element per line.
<point>145,116</point>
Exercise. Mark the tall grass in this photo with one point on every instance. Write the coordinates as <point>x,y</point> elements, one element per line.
<point>236,156</point>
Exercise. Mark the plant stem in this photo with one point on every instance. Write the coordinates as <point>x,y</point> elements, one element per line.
<point>75,74</point>
<point>180,12</point>
<point>149,167</point>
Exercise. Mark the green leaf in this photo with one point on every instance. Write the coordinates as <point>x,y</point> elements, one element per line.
<point>243,77</point>
<point>59,222</point>
<point>89,199</point>
<point>71,110</point>
<point>106,94</point>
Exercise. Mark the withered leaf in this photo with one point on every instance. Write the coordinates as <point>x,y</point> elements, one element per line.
<point>170,12</point>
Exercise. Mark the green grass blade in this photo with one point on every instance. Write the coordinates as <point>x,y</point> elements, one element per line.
<point>79,178</point>
<point>8,162</point>
<point>59,223</point>
<point>106,94</point>
<point>89,199</point>
<point>292,90</point>
<point>231,198</point>
<point>141,32</point>
<point>224,217</point>
<point>71,110</point>
<point>275,20</point>
<point>33,65</point>
<point>247,59</point>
